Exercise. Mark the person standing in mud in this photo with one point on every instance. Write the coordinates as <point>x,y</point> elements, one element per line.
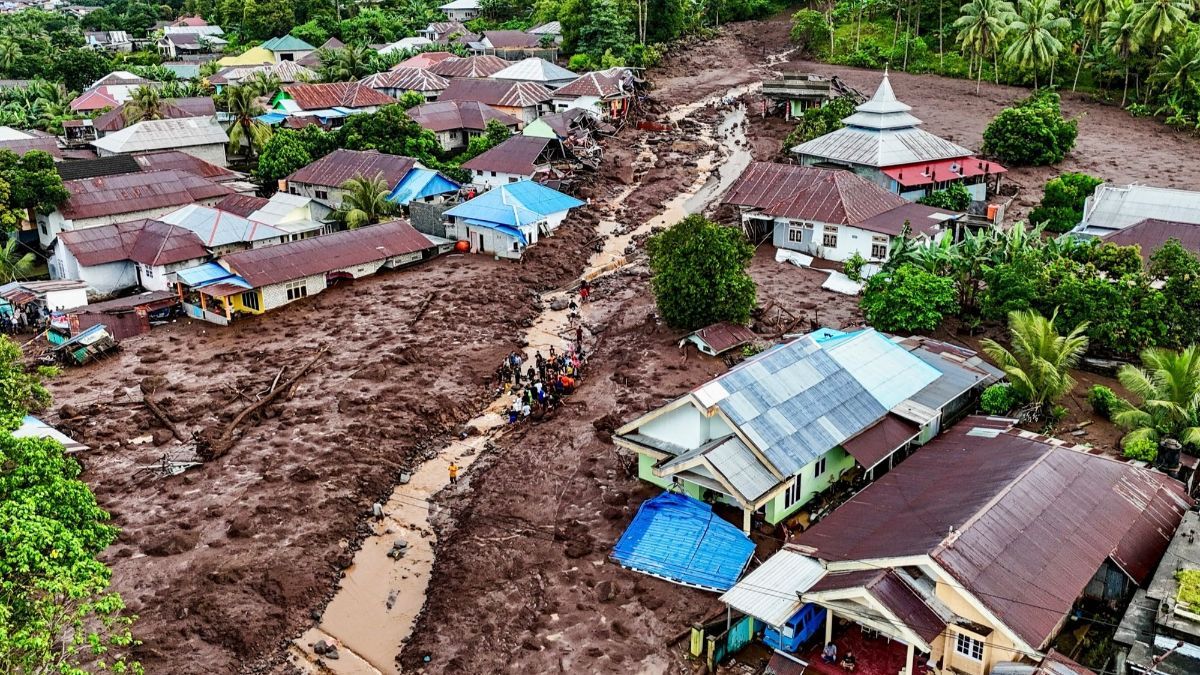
<point>453,473</point>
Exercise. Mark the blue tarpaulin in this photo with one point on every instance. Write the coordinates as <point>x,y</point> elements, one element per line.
<point>680,539</point>
<point>515,204</point>
<point>421,183</point>
<point>271,118</point>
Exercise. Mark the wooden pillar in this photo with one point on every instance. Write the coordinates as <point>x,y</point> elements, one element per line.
<point>179,289</point>
<point>228,308</point>
<point>908,661</point>
<point>203,303</point>
<point>746,520</point>
<point>829,627</point>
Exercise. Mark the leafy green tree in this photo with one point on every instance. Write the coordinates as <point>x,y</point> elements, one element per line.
<point>32,182</point>
<point>810,28</point>
<point>389,130</point>
<point>1035,45</point>
<point>145,104</point>
<point>57,613</point>
<point>10,54</point>
<point>956,197</point>
<point>14,263</point>
<point>1178,270</point>
<point>365,201</point>
<point>245,129</point>
<point>982,28</point>
<point>282,155</point>
<point>699,274</point>
<point>1122,37</point>
<point>1040,362</point>
<point>410,99</point>
<point>265,19</point>
<point>907,299</point>
<point>1168,388</point>
<point>594,27</point>
<point>816,122</point>
<point>79,68</point>
<point>348,64</point>
<point>1158,20</point>
<point>1033,132</point>
<point>1061,207</point>
<point>1178,69</point>
<point>494,133</point>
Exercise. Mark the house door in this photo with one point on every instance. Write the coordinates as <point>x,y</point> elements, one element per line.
<point>479,243</point>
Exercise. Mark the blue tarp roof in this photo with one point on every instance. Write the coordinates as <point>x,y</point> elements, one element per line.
<point>504,229</point>
<point>208,274</point>
<point>421,183</point>
<point>271,118</point>
<point>515,204</point>
<point>680,539</point>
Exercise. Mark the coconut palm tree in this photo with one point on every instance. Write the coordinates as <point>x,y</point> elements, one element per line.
<point>10,53</point>
<point>1168,385</point>
<point>1034,45</point>
<point>1158,20</point>
<point>982,27</point>
<point>1091,14</point>
<point>144,104</point>
<point>245,128</point>
<point>13,264</point>
<point>348,64</point>
<point>1040,362</point>
<point>365,201</point>
<point>1178,68</point>
<point>264,82</point>
<point>1122,37</point>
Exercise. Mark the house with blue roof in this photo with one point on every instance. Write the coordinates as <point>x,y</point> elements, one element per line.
<point>422,185</point>
<point>778,430</point>
<point>505,220</point>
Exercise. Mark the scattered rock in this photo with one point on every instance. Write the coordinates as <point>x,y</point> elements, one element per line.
<point>605,591</point>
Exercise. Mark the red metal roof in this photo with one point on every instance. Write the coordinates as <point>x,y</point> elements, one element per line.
<point>500,93</point>
<point>452,115</point>
<point>44,143</point>
<point>335,95</point>
<point>611,83</point>
<point>1020,522</point>
<point>725,336</point>
<point>241,205</point>
<point>96,99</point>
<point>924,173</point>
<point>511,39</point>
<point>877,442</point>
<point>145,241</point>
<point>408,79</point>
<point>167,160</point>
<point>172,108</point>
<point>424,60</point>
<point>921,219</point>
<point>893,593</point>
<point>318,255</point>
<point>341,165</point>
<point>808,193</point>
<point>471,66</point>
<point>131,192</point>
<point>1150,234</point>
<point>519,155</point>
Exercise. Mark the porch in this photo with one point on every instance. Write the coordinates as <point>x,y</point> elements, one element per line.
<point>874,654</point>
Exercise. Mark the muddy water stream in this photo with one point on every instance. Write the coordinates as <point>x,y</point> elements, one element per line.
<point>376,605</point>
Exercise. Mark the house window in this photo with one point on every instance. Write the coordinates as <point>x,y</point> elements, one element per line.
<point>879,247</point>
<point>793,493</point>
<point>296,289</point>
<point>479,172</point>
<point>819,468</point>
<point>512,179</point>
<point>44,230</point>
<point>322,194</point>
<point>968,647</point>
<point>250,300</point>
<point>516,247</point>
<point>493,174</point>
<point>292,189</point>
<point>829,239</point>
<point>795,233</point>
<point>148,271</point>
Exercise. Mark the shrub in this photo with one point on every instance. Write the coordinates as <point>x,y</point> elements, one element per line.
<point>908,299</point>
<point>1142,449</point>
<point>1062,205</point>
<point>580,63</point>
<point>1189,588</point>
<point>853,266</point>
<point>954,198</point>
<point>1031,133</point>
<point>1103,400</point>
<point>998,399</point>
<point>809,29</point>
<point>700,277</point>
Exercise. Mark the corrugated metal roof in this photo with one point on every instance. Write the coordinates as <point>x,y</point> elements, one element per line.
<point>888,372</point>
<point>407,79</point>
<point>549,28</point>
<point>165,134</point>
<point>730,459</point>
<point>98,166</point>
<point>877,442</point>
<point>128,303</point>
<point>680,539</point>
<point>721,337</point>
<point>460,4</point>
<point>287,43</point>
<point>204,273</point>
<point>894,594</point>
<point>336,95</point>
<point>502,93</point>
<point>47,144</point>
<point>518,155</point>
<point>880,148</point>
<point>921,219</point>
<point>470,66</point>
<point>318,255</point>
<point>1115,207</point>
<point>341,165</point>
<point>809,193</point>
<point>32,427</point>
<point>536,69</point>
<point>944,170</point>
<point>96,99</point>
<point>1020,522</point>
<point>1150,234</point>
<point>611,83</point>
<point>515,204</point>
<point>957,378</point>
<point>424,60</point>
<point>287,72</point>
<point>220,228</point>
<point>166,160</point>
<point>771,591</point>
<point>149,242</point>
<point>242,205</point>
<point>510,39</point>
<point>452,115</point>
<point>127,193</point>
<point>420,183</point>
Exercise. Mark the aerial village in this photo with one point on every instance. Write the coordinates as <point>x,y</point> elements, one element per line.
<point>600,337</point>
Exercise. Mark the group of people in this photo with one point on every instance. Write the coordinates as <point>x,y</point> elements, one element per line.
<point>28,318</point>
<point>541,383</point>
<point>830,655</point>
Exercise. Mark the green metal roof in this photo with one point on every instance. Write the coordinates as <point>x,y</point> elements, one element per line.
<point>287,43</point>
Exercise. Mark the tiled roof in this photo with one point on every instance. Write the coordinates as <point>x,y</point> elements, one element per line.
<point>341,165</point>
<point>808,193</point>
<point>317,255</point>
<point>450,115</point>
<point>172,108</point>
<point>407,79</point>
<point>131,192</point>
<point>517,155</point>
<point>336,94</point>
<point>145,241</point>
<point>500,93</point>
<point>471,66</point>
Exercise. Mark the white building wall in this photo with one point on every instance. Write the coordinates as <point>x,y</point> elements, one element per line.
<point>684,426</point>
<point>66,299</point>
<point>275,295</point>
<point>323,194</point>
<point>49,226</point>
<point>101,279</point>
<point>487,180</point>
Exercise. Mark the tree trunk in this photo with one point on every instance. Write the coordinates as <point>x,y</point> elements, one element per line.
<point>1125,93</point>
<point>996,63</point>
<point>941,36</point>
<point>979,76</point>
<point>1079,66</point>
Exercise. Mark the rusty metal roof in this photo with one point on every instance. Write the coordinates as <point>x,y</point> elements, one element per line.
<point>1150,234</point>
<point>424,60</point>
<point>611,83</point>
<point>318,255</point>
<point>145,241</point>
<point>128,303</point>
<point>893,593</point>
<point>166,160</point>
<point>172,108</point>
<point>97,166</point>
<point>501,93</point>
<point>21,146</point>
<point>470,66</point>
<point>511,39</point>
<point>875,443</point>
<point>519,155</point>
<point>131,192</point>
<point>335,94</point>
<point>1018,520</point>
<point>808,193</point>
<point>451,115</point>
<point>341,165</point>
<point>407,79</point>
<point>241,205</point>
<point>721,337</point>
<point>921,219</point>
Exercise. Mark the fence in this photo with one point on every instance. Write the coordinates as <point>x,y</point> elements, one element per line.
<point>713,643</point>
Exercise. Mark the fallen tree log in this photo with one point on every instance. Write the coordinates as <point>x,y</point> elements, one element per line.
<point>166,420</point>
<point>424,307</point>
<point>209,448</point>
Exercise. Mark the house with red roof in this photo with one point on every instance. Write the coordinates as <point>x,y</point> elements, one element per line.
<point>109,258</point>
<point>323,179</point>
<point>829,213</point>
<point>329,101</point>
<point>608,93</point>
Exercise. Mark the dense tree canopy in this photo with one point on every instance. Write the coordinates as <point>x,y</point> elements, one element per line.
<point>700,276</point>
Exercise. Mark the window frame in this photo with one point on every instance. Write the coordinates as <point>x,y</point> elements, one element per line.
<point>295,290</point>
<point>820,466</point>
<point>794,492</point>
<point>971,646</point>
<point>795,233</point>
<point>255,305</point>
<point>830,234</point>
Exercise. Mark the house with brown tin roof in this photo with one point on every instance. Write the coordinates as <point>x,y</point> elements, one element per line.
<point>455,123</point>
<point>397,81</point>
<point>323,179</point>
<point>517,158</point>
<point>105,200</point>
<point>606,92</point>
<point>171,108</point>
<point>1151,233</point>
<point>424,60</point>
<point>109,258</point>
<point>522,100</point>
<point>470,66</point>
<point>829,213</point>
<point>975,551</point>
<point>329,100</point>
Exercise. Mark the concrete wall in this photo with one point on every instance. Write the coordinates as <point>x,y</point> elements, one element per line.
<point>428,218</point>
<point>997,646</point>
<point>213,153</point>
<point>332,197</point>
<point>275,295</point>
<point>837,460</point>
<point>850,240</point>
<point>490,179</point>
<point>101,279</point>
<point>66,299</point>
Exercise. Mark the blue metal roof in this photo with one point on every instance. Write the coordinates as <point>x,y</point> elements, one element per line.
<point>680,539</point>
<point>522,203</point>
<point>205,273</point>
<point>271,118</point>
<point>503,229</point>
<point>420,183</point>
